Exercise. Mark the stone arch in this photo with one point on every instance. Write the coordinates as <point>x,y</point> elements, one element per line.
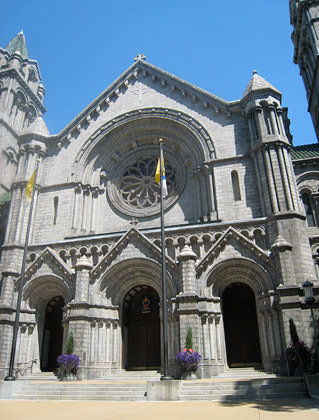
<point>242,270</point>
<point>127,146</point>
<point>308,181</point>
<point>249,274</point>
<point>37,295</point>
<point>127,274</point>
<point>40,290</point>
<point>138,128</point>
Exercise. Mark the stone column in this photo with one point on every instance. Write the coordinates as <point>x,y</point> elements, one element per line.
<point>186,259</point>
<point>7,314</point>
<point>82,267</point>
<point>7,291</point>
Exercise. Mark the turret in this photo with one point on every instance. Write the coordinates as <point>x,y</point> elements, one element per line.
<point>269,135</point>
<point>21,89</point>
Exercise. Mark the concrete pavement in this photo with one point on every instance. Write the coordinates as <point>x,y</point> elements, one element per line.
<point>305,409</point>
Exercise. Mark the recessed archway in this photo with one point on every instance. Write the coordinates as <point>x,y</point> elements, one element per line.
<point>141,329</point>
<point>240,325</point>
<point>52,334</point>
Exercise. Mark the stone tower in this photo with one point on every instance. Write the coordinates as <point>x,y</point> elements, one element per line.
<point>304,16</point>
<point>21,103</point>
<point>21,97</point>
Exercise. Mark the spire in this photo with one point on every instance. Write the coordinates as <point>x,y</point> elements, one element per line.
<point>258,83</point>
<point>18,44</point>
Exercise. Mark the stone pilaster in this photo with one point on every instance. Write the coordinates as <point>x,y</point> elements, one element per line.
<point>7,313</point>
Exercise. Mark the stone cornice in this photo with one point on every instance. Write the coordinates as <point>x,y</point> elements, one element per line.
<point>133,233</point>
<point>217,248</point>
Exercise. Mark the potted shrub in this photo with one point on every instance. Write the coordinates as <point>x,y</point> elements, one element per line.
<point>298,355</point>
<point>188,358</point>
<point>68,362</point>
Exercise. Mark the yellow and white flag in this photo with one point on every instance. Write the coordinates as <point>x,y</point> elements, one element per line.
<point>158,176</point>
<point>30,186</point>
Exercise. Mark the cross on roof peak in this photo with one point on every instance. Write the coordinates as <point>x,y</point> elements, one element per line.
<point>140,57</point>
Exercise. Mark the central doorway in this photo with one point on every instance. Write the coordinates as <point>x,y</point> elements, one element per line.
<point>142,329</point>
<point>241,326</point>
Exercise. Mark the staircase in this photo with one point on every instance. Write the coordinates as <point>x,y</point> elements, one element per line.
<point>82,390</point>
<point>246,372</point>
<point>244,389</point>
<point>129,375</point>
<point>241,384</point>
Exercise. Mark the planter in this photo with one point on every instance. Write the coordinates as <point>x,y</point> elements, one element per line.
<point>292,366</point>
<point>189,375</point>
<point>68,378</point>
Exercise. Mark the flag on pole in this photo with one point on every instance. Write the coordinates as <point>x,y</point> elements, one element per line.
<point>30,185</point>
<point>158,176</point>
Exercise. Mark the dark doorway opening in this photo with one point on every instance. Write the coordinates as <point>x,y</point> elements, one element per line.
<point>52,334</point>
<point>241,327</point>
<point>141,329</point>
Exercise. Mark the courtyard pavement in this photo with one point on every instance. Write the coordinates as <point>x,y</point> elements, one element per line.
<point>303,409</point>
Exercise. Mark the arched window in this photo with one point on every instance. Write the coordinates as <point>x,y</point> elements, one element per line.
<point>236,187</point>
<point>55,209</point>
<point>30,116</point>
<point>309,209</point>
<point>17,109</point>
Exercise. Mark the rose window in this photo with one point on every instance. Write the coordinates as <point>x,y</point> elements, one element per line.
<point>138,187</point>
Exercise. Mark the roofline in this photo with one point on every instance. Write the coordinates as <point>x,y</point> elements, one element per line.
<point>130,72</point>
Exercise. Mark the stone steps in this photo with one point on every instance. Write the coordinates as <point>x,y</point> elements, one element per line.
<point>111,391</point>
<point>247,372</point>
<point>146,375</point>
<point>245,390</point>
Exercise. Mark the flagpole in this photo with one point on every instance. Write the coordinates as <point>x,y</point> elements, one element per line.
<point>165,375</point>
<point>11,376</point>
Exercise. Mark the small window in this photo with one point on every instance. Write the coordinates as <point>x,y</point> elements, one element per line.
<point>236,188</point>
<point>307,203</point>
<point>55,209</point>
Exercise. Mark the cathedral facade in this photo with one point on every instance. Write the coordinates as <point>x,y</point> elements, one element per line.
<point>240,235</point>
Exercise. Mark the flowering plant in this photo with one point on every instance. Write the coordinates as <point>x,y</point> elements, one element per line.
<point>68,364</point>
<point>299,352</point>
<point>189,359</point>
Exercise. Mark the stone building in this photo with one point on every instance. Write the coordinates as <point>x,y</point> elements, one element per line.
<point>304,16</point>
<point>238,247</point>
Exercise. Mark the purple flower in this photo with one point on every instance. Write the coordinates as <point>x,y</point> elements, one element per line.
<point>68,361</point>
<point>189,359</point>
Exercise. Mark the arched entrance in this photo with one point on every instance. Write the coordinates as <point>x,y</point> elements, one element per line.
<point>241,327</point>
<point>141,329</point>
<point>52,334</point>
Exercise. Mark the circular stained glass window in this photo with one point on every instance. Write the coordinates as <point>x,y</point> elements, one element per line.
<point>135,191</point>
<point>138,186</point>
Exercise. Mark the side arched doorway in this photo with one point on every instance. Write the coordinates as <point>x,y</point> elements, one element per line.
<point>241,326</point>
<point>141,329</point>
<point>52,334</point>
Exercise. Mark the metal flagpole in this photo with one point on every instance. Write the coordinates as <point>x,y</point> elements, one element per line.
<point>165,375</point>
<point>10,376</point>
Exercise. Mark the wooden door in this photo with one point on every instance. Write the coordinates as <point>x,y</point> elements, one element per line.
<point>241,327</point>
<point>143,324</point>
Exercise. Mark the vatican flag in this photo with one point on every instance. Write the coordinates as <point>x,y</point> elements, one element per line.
<point>30,185</point>
<point>158,176</point>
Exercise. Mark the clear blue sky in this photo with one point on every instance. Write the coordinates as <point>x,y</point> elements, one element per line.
<point>82,47</point>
